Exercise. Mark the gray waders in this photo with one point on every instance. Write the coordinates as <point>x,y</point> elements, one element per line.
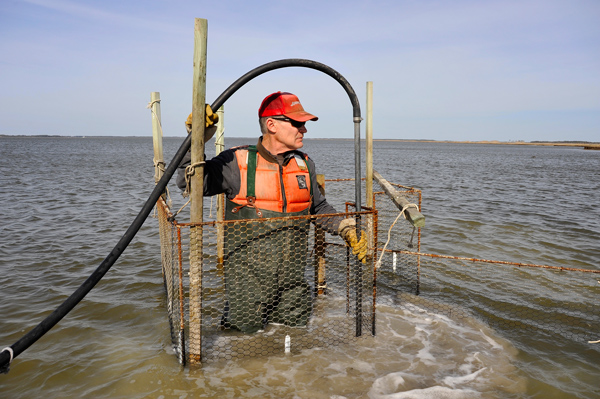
<point>264,265</point>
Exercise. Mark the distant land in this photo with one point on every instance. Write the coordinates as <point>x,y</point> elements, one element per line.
<point>588,145</point>
<point>585,144</point>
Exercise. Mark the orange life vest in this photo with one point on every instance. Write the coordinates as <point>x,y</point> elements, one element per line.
<point>276,188</point>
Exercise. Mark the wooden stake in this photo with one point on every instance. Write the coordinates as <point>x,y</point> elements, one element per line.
<point>320,282</point>
<point>159,162</point>
<point>412,214</point>
<point>369,168</point>
<point>219,148</point>
<point>369,137</point>
<point>197,189</point>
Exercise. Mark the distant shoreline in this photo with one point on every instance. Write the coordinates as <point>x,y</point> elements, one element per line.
<point>585,144</point>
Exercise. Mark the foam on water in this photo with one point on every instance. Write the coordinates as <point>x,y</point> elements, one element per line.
<point>416,354</point>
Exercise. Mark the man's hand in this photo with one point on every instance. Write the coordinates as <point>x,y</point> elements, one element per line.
<point>211,120</point>
<point>347,231</point>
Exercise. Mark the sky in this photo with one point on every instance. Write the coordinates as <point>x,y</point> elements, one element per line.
<point>441,70</point>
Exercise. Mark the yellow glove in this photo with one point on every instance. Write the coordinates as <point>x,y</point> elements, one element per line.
<point>347,231</point>
<point>211,119</point>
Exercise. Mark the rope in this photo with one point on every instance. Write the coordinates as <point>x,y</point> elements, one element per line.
<point>151,103</point>
<point>378,264</point>
<point>180,209</point>
<point>159,169</point>
<point>189,172</point>
<point>149,106</point>
<point>158,165</point>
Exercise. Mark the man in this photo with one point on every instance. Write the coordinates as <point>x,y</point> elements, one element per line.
<point>264,262</point>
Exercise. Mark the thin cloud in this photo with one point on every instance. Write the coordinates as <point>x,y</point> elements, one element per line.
<point>87,12</point>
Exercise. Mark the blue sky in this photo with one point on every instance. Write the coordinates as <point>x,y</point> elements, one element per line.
<point>445,70</point>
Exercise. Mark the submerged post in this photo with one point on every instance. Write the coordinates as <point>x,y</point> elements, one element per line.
<point>197,189</point>
<point>319,248</point>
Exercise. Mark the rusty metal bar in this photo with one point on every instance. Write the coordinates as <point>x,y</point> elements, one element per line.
<point>500,262</point>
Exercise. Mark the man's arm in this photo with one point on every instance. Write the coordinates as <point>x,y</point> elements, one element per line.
<point>221,174</point>
<point>320,206</point>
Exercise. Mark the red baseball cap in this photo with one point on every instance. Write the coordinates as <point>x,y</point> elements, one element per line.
<point>286,104</point>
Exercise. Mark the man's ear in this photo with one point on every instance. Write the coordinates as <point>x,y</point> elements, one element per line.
<point>271,126</point>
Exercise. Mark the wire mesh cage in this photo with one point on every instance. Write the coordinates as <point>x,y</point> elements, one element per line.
<point>270,285</point>
<point>264,286</point>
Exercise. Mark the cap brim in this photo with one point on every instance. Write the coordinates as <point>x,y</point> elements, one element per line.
<point>301,116</point>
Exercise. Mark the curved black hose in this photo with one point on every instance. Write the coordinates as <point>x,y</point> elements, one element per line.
<point>51,320</point>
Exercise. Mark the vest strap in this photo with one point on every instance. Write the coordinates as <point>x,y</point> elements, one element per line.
<point>251,174</point>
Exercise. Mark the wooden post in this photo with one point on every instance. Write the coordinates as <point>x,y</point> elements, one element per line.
<point>159,162</point>
<point>369,137</point>
<point>412,214</point>
<point>219,148</point>
<point>320,282</point>
<point>369,168</point>
<point>197,192</point>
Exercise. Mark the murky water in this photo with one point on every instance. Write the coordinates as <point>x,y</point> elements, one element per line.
<point>67,201</point>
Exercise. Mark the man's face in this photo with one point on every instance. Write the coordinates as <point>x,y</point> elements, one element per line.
<point>288,135</point>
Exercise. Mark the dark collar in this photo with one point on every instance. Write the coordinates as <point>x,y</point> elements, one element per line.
<point>281,159</point>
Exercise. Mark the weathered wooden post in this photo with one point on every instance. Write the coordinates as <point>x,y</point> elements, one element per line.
<point>219,148</point>
<point>369,192</point>
<point>319,263</point>
<point>413,215</point>
<point>196,191</point>
<point>159,162</point>
<point>369,168</point>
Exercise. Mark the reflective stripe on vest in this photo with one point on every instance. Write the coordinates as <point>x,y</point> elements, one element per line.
<point>268,181</point>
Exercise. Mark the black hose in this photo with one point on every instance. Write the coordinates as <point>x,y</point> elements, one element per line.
<point>51,320</point>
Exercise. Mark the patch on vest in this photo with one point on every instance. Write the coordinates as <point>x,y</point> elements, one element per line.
<point>300,162</point>
<point>302,182</point>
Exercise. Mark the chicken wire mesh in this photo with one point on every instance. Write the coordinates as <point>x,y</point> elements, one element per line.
<point>285,284</point>
<point>262,286</point>
<point>547,301</point>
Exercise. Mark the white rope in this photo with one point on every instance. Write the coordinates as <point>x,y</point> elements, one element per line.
<point>181,209</point>
<point>378,264</point>
<point>189,172</point>
<point>159,164</point>
<point>151,103</point>
<point>594,342</point>
<point>10,351</point>
<point>149,106</point>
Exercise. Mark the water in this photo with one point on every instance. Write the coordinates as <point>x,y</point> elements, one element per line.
<point>67,201</point>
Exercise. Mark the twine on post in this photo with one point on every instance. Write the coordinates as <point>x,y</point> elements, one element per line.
<point>190,170</point>
<point>149,106</point>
